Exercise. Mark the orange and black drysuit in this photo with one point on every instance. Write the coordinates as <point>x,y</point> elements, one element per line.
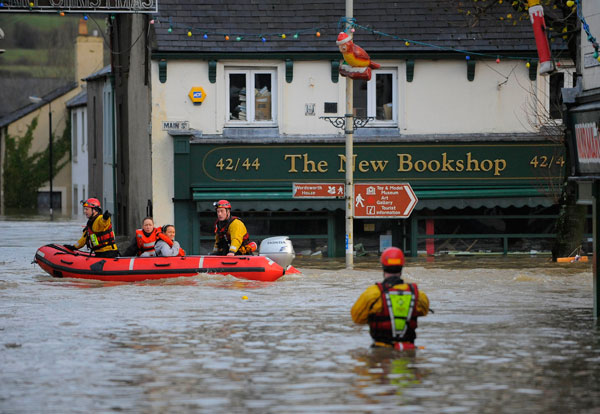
<point>231,236</point>
<point>99,237</point>
<point>391,309</point>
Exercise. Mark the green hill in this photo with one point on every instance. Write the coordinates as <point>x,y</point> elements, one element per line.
<point>39,56</point>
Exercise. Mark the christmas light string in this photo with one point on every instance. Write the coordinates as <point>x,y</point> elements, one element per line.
<point>586,28</point>
<point>207,34</point>
<point>351,26</point>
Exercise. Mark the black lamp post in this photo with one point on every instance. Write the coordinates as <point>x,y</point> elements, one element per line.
<point>35,99</point>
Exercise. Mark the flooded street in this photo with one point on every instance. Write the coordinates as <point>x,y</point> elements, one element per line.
<point>508,335</point>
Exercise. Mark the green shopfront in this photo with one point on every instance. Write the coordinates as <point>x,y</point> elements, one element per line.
<point>475,182</point>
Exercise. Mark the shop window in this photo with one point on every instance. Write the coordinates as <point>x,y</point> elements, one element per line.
<point>255,107</point>
<point>377,97</point>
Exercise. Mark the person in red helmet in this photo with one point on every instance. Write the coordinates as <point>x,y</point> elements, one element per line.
<point>98,234</point>
<point>231,236</point>
<point>391,308</point>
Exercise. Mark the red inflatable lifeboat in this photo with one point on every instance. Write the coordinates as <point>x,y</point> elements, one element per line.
<point>59,261</point>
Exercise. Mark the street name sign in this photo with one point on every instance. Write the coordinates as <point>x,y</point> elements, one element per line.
<point>175,125</point>
<point>318,190</point>
<point>383,200</point>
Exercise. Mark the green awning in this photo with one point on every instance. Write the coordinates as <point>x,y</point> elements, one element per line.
<point>280,199</point>
<point>484,197</point>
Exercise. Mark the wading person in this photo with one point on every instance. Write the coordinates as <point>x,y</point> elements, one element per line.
<point>166,244</point>
<point>391,308</point>
<point>231,236</point>
<point>98,234</point>
<point>143,242</point>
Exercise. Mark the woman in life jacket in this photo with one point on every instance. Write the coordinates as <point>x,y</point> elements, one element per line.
<point>166,245</point>
<point>98,234</point>
<point>391,308</point>
<point>143,242</point>
<point>231,236</point>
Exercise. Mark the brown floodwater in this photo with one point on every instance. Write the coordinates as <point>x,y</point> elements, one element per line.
<point>509,334</point>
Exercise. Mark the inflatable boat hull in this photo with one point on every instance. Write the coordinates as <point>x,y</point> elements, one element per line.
<point>58,261</point>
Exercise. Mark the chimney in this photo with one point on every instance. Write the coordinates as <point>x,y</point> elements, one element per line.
<point>89,53</point>
<point>83,31</point>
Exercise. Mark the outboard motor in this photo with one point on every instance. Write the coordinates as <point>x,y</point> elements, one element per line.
<point>279,249</point>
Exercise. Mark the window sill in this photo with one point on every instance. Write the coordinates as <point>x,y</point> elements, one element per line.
<point>378,130</point>
<point>251,130</point>
<point>243,124</point>
<point>383,124</point>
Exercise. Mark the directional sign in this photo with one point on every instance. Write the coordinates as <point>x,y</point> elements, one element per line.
<point>197,94</point>
<point>318,190</point>
<point>383,200</point>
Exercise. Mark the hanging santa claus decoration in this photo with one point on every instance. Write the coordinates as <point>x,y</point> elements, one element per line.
<point>357,63</point>
<point>536,14</point>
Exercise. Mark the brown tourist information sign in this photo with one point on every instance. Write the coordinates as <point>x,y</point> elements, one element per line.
<point>383,200</point>
<point>318,190</point>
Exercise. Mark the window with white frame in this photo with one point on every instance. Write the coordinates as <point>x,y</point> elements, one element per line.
<point>74,135</point>
<point>377,98</point>
<point>83,130</point>
<point>257,106</point>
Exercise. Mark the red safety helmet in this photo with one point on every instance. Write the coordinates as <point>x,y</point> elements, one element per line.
<point>392,259</point>
<point>92,203</point>
<point>222,204</point>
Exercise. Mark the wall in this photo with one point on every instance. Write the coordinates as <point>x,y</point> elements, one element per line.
<point>135,184</point>
<point>141,183</point>
<point>79,162</point>
<point>94,109</point>
<point>89,56</point>
<point>441,100</point>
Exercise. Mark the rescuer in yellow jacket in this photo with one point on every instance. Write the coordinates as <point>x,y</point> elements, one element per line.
<point>231,236</point>
<point>98,234</point>
<point>391,308</point>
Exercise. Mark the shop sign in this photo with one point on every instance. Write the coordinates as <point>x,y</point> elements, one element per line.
<point>318,190</point>
<point>473,164</point>
<point>383,200</point>
<point>588,147</point>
